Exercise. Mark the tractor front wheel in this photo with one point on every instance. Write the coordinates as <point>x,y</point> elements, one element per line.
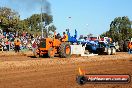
<point>51,53</point>
<point>36,53</point>
<point>109,51</point>
<point>113,51</point>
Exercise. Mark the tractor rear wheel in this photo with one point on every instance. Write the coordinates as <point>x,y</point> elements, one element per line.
<point>65,50</point>
<point>51,53</point>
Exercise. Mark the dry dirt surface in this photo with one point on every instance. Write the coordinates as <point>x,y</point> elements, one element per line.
<point>23,71</point>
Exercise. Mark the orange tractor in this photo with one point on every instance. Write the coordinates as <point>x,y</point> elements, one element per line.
<point>50,47</point>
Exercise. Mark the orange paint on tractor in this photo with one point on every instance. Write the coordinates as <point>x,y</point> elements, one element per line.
<point>52,46</point>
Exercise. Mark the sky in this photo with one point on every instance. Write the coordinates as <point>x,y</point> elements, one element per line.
<point>87,16</point>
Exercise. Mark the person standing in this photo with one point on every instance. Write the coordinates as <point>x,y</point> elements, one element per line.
<point>17,45</point>
<point>7,45</point>
<point>130,47</point>
<point>34,46</point>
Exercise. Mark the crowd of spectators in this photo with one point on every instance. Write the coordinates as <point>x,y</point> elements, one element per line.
<point>8,39</point>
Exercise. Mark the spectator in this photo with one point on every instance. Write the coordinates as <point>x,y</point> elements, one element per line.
<point>1,47</point>
<point>34,46</point>
<point>7,43</point>
<point>130,47</point>
<point>17,46</point>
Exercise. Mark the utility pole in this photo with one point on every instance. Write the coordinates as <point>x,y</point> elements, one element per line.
<point>42,21</point>
<point>44,6</point>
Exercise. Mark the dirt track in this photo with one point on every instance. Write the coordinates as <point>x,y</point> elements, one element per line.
<point>23,71</point>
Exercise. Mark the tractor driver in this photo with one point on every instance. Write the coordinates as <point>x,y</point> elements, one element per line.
<point>58,36</point>
<point>65,37</point>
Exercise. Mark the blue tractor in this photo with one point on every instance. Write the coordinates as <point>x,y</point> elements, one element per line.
<point>98,47</point>
<point>108,48</point>
<point>72,39</point>
<point>91,46</point>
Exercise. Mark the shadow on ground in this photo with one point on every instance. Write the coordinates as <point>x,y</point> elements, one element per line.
<point>38,57</point>
<point>130,60</point>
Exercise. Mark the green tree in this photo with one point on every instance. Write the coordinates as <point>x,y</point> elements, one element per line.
<point>33,23</point>
<point>120,31</point>
<point>51,28</point>
<point>9,19</point>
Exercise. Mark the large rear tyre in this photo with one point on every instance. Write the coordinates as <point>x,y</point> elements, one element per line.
<point>65,50</point>
<point>51,53</point>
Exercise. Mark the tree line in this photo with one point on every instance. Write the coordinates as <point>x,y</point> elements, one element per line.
<point>120,31</point>
<point>10,22</point>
